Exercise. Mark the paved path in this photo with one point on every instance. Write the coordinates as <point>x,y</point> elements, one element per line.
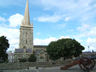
<point>49,69</point>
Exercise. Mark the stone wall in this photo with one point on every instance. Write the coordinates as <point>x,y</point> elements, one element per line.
<point>40,52</point>
<point>26,65</point>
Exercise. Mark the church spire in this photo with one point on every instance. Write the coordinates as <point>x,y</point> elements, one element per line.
<point>26,20</point>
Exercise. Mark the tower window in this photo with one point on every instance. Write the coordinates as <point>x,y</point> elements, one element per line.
<point>26,41</point>
<point>26,37</point>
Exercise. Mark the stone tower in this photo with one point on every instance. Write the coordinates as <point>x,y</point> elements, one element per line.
<point>26,31</point>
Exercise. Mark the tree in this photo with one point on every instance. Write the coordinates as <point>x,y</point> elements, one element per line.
<point>32,58</point>
<point>4,45</point>
<point>53,51</point>
<point>64,48</point>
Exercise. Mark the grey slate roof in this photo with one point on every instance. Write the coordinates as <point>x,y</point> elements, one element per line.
<point>22,50</point>
<point>40,46</point>
<point>19,50</point>
<point>29,50</point>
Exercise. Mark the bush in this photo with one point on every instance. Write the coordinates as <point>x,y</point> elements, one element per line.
<point>1,61</point>
<point>32,58</point>
<point>23,60</point>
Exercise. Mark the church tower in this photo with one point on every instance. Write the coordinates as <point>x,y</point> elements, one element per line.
<point>26,42</point>
<point>26,31</point>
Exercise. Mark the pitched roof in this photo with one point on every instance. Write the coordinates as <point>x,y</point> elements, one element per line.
<point>40,46</point>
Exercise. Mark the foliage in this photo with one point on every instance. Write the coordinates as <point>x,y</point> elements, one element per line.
<point>22,60</point>
<point>53,51</point>
<point>64,48</point>
<point>4,45</point>
<point>32,58</point>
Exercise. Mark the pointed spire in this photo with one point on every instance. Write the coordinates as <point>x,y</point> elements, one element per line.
<point>26,20</point>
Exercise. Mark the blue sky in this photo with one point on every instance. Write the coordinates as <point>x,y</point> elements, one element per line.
<point>52,19</point>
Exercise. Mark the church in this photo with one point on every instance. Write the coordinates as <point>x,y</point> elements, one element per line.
<point>26,47</point>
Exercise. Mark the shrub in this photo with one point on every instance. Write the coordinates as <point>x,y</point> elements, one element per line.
<point>23,60</point>
<point>32,58</point>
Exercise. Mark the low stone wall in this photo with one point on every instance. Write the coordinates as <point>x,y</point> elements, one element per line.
<point>15,66</point>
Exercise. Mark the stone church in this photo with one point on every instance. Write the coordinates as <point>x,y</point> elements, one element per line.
<point>26,47</point>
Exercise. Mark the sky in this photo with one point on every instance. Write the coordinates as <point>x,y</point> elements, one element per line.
<point>52,20</point>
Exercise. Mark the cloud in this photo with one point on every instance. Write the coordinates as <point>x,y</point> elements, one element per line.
<point>70,5</point>
<point>15,20</point>
<point>44,41</point>
<point>83,27</point>
<point>12,35</point>
<point>91,42</point>
<point>10,30</point>
<point>47,40</point>
<point>78,10</point>
<point>86,30</point>
<point>11,2</point>
<point>92,32</point>
<point>81,10</point>
<point>60,26</point>
<point>54,18</point>
<point>67,18</point>
<point>38,33</point>
<point>87,35</point>
<point>18,2</point>
<point>2,19</point>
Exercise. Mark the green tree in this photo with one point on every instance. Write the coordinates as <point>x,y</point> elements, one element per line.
<point>64,48</point>
<point>53,51</point>
<point>32,58</point>
<point>4,45</point>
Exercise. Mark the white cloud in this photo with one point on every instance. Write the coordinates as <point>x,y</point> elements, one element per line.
<point>54,18</point>
<point>92,32</point>
<point>81,10</point>
<point>88,36</point>
<point>62,4</point>
<point>91,42</point>
<point>60,26</point>
<point>44,41</point>
<point>38,33</point>
<point>64,37</point>
<point>12,35</point>
<point>67,18</point>
<point>15,20</point>
<point>86,30</point>
<point>83,27</point>
<point>47,40</point>
<point>2,19</point>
